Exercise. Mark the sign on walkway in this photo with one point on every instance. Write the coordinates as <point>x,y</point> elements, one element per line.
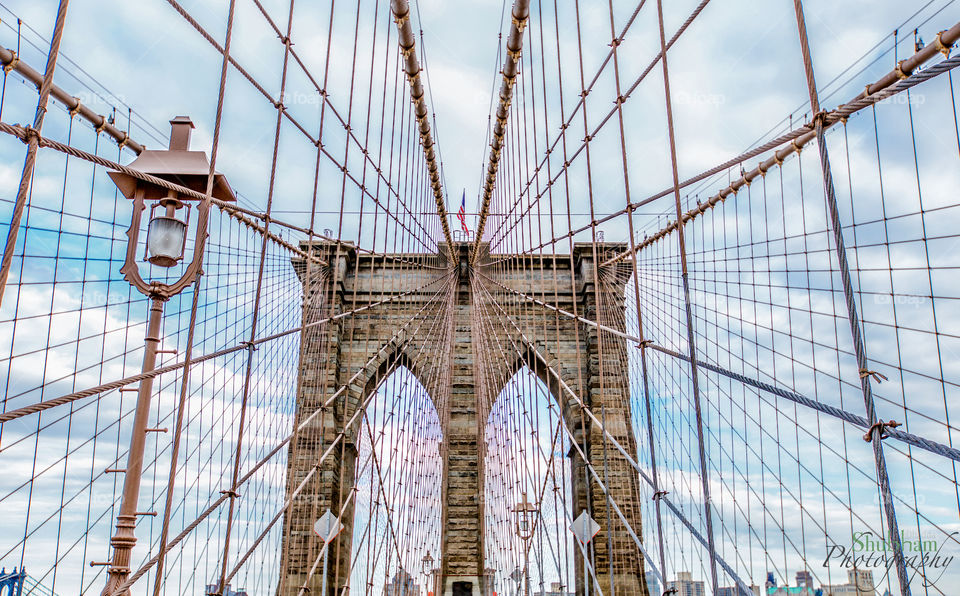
<point>584,528</point>
<point>328,526</point>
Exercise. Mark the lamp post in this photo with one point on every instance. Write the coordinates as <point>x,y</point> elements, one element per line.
<point>526,522</point>
<point>426,567</point>
<point>165,246</point>
<point>490,587</point>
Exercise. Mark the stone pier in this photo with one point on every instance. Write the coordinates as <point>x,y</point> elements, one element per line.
<point>553,347</point>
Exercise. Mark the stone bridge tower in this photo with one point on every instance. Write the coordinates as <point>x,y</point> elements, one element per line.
<point>358,351</point>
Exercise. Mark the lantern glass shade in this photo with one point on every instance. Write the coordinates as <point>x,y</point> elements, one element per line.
<point>426,563</point>
<point>165,239</point>
<point>524,524</point>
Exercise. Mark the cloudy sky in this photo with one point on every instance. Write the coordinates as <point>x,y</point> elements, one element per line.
<point>736,75</point>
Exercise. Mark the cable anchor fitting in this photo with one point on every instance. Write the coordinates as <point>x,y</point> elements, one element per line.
<point>877,376</point>
<point>881,425</point>
<point>899,70</point>
<point>660,494</point>
<point>520,24</point>
<point>942,47</point>
<point>16,60</point>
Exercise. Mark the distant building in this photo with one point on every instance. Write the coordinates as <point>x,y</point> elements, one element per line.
<point>735,591</point>
<point>556,589</point>
<point>402,584</point>
<point>771,581</point>
<point>685,585</point>
<point>653,586</point>
<point>227,591</point>
<point>804,586</point>
<point>841,590</point>
<point>859,583</point>
<point>791,591</point>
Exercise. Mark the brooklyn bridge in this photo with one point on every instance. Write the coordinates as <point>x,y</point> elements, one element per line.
<point>527,298</point>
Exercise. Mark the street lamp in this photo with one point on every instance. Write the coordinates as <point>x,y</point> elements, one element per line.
<point>426,567</point>
<point>489,575</point>
<point>526,522</point>
<point>165,246</point>
<point>526,517</point>
<point>166,232</point>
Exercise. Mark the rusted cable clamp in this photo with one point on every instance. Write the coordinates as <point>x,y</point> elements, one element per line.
<point>942,47</point>
<point>899,70</point>
<point>249,345</point>
<point>880,424</point>
<point>645,344</point>
<point>659,494</point>
<point>230,493</point>
<point>16,60</point>
<point>876,376</point>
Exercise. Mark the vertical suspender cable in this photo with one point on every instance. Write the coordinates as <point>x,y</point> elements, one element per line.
<point>876,431</point>
<point>408,45</point>
<point>691,341</point>
<point>33,144</point>
<point>511,65</point>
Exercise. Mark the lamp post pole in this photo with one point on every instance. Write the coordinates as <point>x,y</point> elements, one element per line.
<point>526,565</point>
<point>125,539</point>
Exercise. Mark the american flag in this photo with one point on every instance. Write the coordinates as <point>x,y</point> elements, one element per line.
<point>462,214</point>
